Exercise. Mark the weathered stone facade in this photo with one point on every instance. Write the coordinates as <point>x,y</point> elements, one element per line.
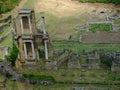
<point>28,38</point>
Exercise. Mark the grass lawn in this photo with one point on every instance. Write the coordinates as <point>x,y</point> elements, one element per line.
<point>100,27</point>
<point>7,42</point>
<point>76,75</point>
<point>79,47</point>
<point>5,31</point>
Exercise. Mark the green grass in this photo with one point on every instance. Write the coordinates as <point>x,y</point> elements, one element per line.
<point>83,61</point>
<point>100,27</point>
<point>74,75</point>
<point>76,35</point>
<point>12,85</point>
<point>37,76</point>
<point>30,4</point>
<point>7,42</point>
<point>101,1</point>
<point>79,47</point>
<point>5,31</point>
<point>61,27</point>
<point>117,21</point>
<point>8,5</point>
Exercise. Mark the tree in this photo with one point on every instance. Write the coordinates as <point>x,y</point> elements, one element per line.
<point>102,1</point>
<point>7,5</point>
<point>106,59</point>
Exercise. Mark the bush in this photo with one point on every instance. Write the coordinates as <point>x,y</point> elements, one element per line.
<point>101,1</point>
<point>7,5</point>
<point>13,55</point>
<point>107,60</point>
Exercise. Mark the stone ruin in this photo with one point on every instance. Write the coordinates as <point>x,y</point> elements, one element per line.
<point>94,60</point>
<point>4,51</point>
<point>116,62</point>
<point>90,88</point>
<point>102,16</point>
<point>28,37</point>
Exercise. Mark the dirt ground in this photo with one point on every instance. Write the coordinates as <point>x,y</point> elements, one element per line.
<point>69,7</point>
<point>67,14</point>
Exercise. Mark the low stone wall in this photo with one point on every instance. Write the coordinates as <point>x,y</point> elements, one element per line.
<point>6,19</point>
<point>90,88</point>
<point>101,37</point>
<point>5,26</point>
<point>7,22</point>
<point>39,82</point>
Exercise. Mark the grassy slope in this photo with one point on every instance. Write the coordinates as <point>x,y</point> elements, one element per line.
<point>79,47</point>
<point>59,25</point>
<point>61,28</point>
<point>8,40</point>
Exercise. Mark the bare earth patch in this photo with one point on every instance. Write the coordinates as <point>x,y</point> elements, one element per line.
<point>14,11</point>
<point>69,7</point>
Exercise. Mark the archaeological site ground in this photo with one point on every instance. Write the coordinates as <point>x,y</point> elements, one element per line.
<point>59,45</point>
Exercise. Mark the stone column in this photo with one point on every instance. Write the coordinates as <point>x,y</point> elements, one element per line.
<point>18,53</point>
<point>45,42</point>
<point>21,22</point>
<point>43,25</point>
<point>25,51</point>
<point>33,52</point>
<point>30,26</point>
<point>46,50</point>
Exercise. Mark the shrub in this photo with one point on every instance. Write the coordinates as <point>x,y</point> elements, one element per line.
<point>107,60</point>
<point>101,1</point>
<point>13,55</point>
<point>7,5</point>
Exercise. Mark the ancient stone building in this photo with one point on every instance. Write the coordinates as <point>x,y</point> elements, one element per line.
<point>116,62</point>
<point>93,61</point>
<point>28,38</point>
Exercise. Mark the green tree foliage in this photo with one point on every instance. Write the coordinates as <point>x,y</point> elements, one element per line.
<point>101,1</point>
<point>106,59</point>
<point>7,5</point>
<point>13,55</point>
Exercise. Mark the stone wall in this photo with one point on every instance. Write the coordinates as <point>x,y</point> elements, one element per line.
<point>6,24</point>
<point>4,51</point>
<point>101,37</point>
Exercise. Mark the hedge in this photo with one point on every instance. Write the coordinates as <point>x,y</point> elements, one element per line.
<point>7,5</point>
<point>101,1</point>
